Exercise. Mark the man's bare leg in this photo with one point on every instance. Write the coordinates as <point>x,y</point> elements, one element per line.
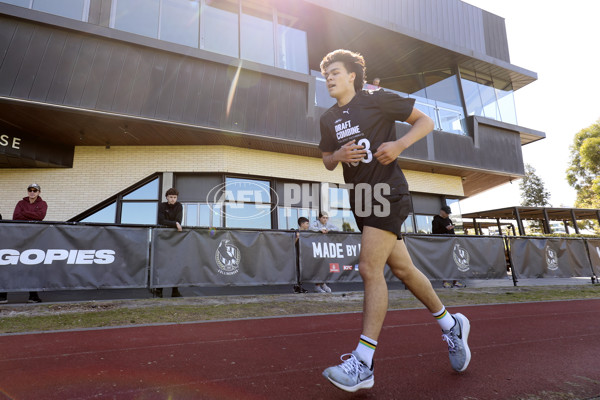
<point>402,266</point>
<point>376,247</point>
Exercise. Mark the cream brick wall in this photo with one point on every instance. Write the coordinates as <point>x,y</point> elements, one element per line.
<point>99,173</point>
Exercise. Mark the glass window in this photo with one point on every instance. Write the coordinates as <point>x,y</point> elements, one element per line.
<point>247,203</point>
<point>506,103</point>
<point>180,21</point>
<point>407,225</point>
<point>147,192</point>
<point>488,96</point>
<point>424,223</point>
<point>340,214</point>
<point>20,3</point>
<point>202,214</point>
<point>220,27</point>
<point>288,216</point>
<point>74,9</point>
<point>139,213</point>
<point>292,48</point>
<point>257,41</point>
<point>253,216</point>
<point>106,215</point>
<point>190,214</point>
<point>136,16</point>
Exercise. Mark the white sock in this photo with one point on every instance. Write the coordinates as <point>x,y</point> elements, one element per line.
<point>445,319</point>
<point>366,349</point>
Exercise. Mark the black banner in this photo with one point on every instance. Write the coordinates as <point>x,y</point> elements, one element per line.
<point>549,258</point>
<point>222,258</point>
<point>594,249</point>
<point>458,257</point>
<point>331,257</point>
<point>55,257</point>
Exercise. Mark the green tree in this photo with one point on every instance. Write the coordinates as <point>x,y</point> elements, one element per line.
<point>583,173</point>
<point>533,192</point>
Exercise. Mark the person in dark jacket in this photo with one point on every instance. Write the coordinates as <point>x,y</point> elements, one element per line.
<point>442,225</point>
<point>30,208</point>
<point>170,213</point>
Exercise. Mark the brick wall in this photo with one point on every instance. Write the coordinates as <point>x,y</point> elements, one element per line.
<point>99,173</point>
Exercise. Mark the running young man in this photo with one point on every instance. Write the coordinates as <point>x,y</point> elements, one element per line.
<point>359,132</point>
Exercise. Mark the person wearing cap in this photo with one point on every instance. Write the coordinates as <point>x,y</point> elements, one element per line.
<point>31,208</point>
<point>442,225</point>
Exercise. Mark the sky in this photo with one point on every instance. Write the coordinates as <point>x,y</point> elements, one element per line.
<point>560,42</point>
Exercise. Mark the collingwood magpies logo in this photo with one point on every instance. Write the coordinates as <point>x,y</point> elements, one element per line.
<point>551,258</point>
<point>461,257</point>
<point>228,258</point>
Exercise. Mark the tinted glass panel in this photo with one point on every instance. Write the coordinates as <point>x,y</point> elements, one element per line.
<point>210,215</point>
<point>180,21</point>
<point>139,213</point>
<point>407,225</point>
<point>247,216</point>
<point>293,50</point>
<point>190,214</point>
<point>20,3</point>
<point>106,215</point>
<point>220,27</point>
<point>424,223</point>
<point>343,220</point>
<point>287,218</point>
<point>147,192</point>
<point>136,16</point>
<point>65,8</point>
<point>247,190</point>
<point>257,36</point>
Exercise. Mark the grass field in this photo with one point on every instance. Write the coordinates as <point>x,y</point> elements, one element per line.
<point>19,318</point>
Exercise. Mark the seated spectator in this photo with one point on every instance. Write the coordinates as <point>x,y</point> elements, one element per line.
<point>322,225</point>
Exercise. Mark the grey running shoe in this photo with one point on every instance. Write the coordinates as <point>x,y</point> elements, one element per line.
<point>350,375</point>
<point>325,287</point>
<point>457,337</point>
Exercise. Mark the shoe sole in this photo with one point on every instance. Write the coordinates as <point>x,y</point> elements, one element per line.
<point>466,328</point>
<point>366,384</point>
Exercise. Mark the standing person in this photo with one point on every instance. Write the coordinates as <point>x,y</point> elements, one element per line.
<point>359,132</point>
<point>323,225</point>
<point>170,213</point>
<point>442,225</point>
<point>303,225</point>
<point>31,208</point>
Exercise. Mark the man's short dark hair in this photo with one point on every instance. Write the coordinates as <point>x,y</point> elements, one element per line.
<point>446,209</point>
<point>302,220</point>
<point>172,192</point>
<point>353,62</point>
<point>323,214</point>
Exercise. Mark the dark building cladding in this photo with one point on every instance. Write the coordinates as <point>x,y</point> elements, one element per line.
<point>98,75</point>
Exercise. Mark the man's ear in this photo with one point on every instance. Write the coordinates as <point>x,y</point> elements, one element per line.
<point>352,76</point>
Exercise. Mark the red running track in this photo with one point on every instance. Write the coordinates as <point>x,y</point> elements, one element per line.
<point>518,350</point>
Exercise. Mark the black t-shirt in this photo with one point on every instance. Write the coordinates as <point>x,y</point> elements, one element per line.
<point>369,118</point>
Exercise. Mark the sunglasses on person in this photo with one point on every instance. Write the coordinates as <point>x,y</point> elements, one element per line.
<point>32,190</point>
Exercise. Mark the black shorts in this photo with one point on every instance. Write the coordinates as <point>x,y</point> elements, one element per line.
<point>399,208</point>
